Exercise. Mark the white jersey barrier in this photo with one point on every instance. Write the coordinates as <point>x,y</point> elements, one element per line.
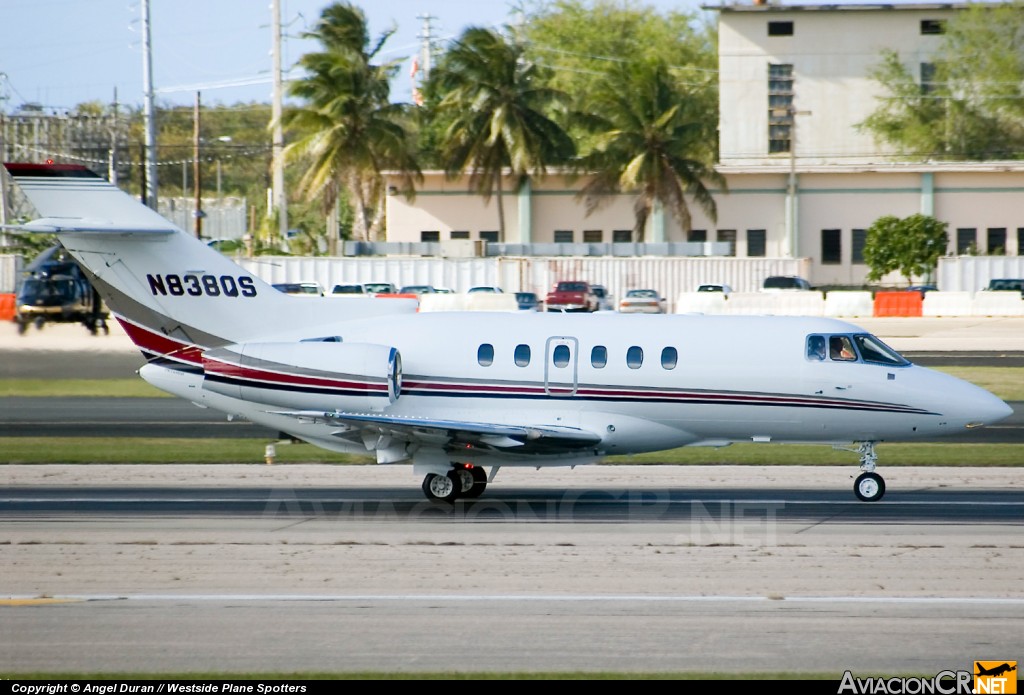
<point>849,304</point>
<point>477,301</point>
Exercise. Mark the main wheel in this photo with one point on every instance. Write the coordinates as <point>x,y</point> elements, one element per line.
<point>442,488</point>
<point>479,477</point>
<point>869,487</point>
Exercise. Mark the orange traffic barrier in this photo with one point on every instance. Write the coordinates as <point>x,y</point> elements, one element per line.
<point>898,304</point>
<point>6,307</point>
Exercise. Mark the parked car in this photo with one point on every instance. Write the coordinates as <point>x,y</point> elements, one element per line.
<point>782,283</point>
<point>528,301</point>
<point>714,287</point>
<point>922,289</point>
<point>1005,285</point>
<point>349,289</point>
<point>486,288</point>
<point>604,300</point>
<point>301,289</point>
<point>417,289</point>
<point>365,288</point>
<point>643,302</point>
<point>572,295</point>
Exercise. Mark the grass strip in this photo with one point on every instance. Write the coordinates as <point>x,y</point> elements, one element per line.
<point>128,450</point>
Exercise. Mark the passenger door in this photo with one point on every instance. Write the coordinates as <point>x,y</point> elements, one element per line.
<point>561,366</point>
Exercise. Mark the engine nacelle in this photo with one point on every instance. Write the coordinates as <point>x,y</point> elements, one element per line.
<point>306,375</point>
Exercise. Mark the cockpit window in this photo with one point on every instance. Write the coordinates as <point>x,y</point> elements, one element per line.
<point>874,350</point>
<point>840,348</point>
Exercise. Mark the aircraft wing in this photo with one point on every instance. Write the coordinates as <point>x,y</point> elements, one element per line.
<point>429,431</point>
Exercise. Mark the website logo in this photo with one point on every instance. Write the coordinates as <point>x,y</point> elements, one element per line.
<point>996,677</point>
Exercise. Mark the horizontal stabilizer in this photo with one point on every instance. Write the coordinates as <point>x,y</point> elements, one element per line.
<point>71,198</point>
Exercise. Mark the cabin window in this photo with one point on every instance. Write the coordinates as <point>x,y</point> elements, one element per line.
<point>485,355</point>
<point>522,355</point>
<point>816,347</point>
<point>669,358</point>
<point>840,348</point>
<point>560,356</point>
<point>599,357</point>
<point>634,357</point>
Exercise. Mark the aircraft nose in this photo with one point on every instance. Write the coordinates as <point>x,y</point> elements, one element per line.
<point>977,407</point>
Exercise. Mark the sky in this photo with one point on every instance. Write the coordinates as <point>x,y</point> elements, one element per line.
<point>60,53</point>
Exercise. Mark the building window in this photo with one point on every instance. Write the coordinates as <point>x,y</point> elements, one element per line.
<point>430,236</point>
<point>622,236</point>
<point>699,235</point>
<point>966,241</point>
<point>780,108</point>
<point>460,235</point>
<point>634,357</point>
<point>996,241</point>
<point>933,26</point>
<point>858,237</point>
<point>780,28</point>
<point>491,237</point>
<point>563,236</point>
<point>728,236</point>
<point>669,358</point>
<point>599,356</point>
<point>831,246</point>
<point>927,78</point>
<point>485,355</point>
<point>1020,241</point>
<point>522,355</point>
<point>757,243</point>
<point>593,236</point>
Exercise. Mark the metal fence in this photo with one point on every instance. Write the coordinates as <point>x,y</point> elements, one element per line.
<point>669,276</point>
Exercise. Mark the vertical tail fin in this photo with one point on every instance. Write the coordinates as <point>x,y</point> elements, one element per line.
<point>173,293</point>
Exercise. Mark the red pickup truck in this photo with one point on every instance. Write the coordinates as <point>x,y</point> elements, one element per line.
<point>571,296</point>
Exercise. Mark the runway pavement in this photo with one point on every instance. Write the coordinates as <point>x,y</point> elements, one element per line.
<point>631,569</point>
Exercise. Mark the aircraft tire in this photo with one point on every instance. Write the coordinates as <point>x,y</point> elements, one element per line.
<point>479,482</point>
<point>869,487</point>
<point>442,488</point>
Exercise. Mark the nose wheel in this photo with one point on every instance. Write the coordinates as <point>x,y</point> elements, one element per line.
<point>869,486</point>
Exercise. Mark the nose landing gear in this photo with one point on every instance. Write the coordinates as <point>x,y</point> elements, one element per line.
<point>869,486</point>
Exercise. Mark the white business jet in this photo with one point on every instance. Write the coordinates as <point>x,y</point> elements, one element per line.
<point>457,394</point>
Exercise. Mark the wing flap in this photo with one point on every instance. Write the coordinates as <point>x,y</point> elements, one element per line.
<point>435,432</point>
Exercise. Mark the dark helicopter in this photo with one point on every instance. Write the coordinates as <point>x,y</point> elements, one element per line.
<point>55,290</point>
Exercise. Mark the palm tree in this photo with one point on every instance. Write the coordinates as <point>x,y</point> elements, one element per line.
<point>652,140</point>
<point>348,129</point>
<point>497,103</point>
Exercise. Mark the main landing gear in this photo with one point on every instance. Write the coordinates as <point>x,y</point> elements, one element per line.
<point>869,486</point>
<point>463,480</point>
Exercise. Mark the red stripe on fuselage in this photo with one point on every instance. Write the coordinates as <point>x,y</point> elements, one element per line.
<point>153,342</point>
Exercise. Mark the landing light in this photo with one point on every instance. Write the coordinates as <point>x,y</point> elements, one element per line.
<point>974,425</point>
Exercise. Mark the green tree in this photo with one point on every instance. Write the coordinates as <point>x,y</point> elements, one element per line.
<point>651,140</point>
<point>911,245</point>
<point>583,40</point>
<point>348,131</point>
<point>498,104</point>
<point>971,105</point>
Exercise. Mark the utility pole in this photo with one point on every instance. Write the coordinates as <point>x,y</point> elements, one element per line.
<point>792,209</point>
<point>148,115</point>
<point>196,182</point>
<point>277,145</point>
<point>112,163</point>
